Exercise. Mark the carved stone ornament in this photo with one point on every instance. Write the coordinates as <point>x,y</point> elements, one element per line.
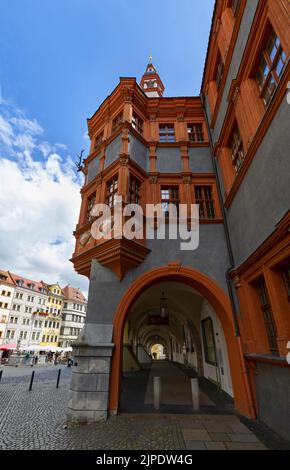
<point>128,93</point>
<point>84,238</point>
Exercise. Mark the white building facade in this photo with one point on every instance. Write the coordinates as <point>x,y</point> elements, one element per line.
<point>73,316</point>
<point>6,295</point>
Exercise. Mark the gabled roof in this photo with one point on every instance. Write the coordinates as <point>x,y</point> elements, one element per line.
<point>35,286</point>
<point>8,278</point>
<point>73,293</point>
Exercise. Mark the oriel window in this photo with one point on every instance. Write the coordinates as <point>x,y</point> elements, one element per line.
<point>117,122</point>
<point>237,149</point>
<point>134,191</point>
<point>90,205</point>
<point>195,133</point>
<point>271,66</point>
<point>98,141</point>
<point>166,133</point>
<point>169,195</point>
<point>137,123</point>
<point>112,190</point>
<point>203,197</point>
<point>267,315</point>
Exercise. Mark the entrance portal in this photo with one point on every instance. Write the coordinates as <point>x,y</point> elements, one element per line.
<point>189,315</point>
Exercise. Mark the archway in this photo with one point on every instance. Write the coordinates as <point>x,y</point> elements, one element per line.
<point>219,301</point>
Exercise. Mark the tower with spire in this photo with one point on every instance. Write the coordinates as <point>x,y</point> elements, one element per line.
<point>150,82</point>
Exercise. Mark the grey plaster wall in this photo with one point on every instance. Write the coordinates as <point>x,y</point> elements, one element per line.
<point>138,152</point>
<point>264,195</point>
<point>93,168</point>
<point>211,258</point>
<point>273,396</point>
<point>113,150</point>
<point>244,31</point>
<point>169,160</point>
<point>200,160</point>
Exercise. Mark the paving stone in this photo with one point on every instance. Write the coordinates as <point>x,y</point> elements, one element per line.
<point>243,437</point>
<point>215,446</point>
<point>218,427</point>
<point>239,428</point>
<point>245,446</point>
<point>195,435</point>
<point>35,420</point>
<point>195,445</point>
<point>220,436</point>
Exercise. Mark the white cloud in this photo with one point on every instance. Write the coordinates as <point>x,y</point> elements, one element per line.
<point>6,132</point>
<point>39,204</point>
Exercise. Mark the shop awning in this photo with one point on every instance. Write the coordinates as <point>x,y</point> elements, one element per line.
<point>7,347</point>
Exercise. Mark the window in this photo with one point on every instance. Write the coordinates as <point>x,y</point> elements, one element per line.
<point>169,195</point>
<point>267,315</point>
<point>112,190</point>
<point>271,66</point>
<point>235,6</point>
<point>208,341</point>
<point>98,140</point>
<point>90,204</point>
<point>134,191</point>
<point>237,149</point>
<point>219,71</point>
<point>117,122</point>
<point>195,133</point>
<point>137,123</point>
<point>203,197</point>
<point>286,279</point>
<point>166,133</point>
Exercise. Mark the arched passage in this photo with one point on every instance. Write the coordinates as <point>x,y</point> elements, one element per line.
<point>206,287</point>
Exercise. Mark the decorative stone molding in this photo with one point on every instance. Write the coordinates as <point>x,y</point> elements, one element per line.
<point>174,266</point>
<point>128,94</point>
<point>124,159</point>
<point>153,179</point>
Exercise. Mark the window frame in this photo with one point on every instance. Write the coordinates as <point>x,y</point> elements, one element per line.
<point>134,190</point>
<point>137,123</point>
<point>117,122</point>
<point>237,149</point>
<point>173,199</point>
<point>270,64</point>
<point>166,136</point>
<point>268,317</point>
<point>209,212</point>
<point>204,321</point>
<point>114,180</point>
<point>195,132</point>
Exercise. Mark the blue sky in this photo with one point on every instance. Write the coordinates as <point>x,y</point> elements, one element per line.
<point>61,58</point>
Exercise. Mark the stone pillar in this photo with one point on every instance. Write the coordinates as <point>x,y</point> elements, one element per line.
<point>89,389</point>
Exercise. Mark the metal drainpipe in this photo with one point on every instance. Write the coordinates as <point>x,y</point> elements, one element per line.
<point>252,410</point>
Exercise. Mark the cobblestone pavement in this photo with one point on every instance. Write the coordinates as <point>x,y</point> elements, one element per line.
<point>36,420</point>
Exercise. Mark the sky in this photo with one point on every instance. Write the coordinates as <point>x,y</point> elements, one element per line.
<point>59,59</point>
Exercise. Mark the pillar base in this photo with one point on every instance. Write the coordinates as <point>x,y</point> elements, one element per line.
<point>90,382</point>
